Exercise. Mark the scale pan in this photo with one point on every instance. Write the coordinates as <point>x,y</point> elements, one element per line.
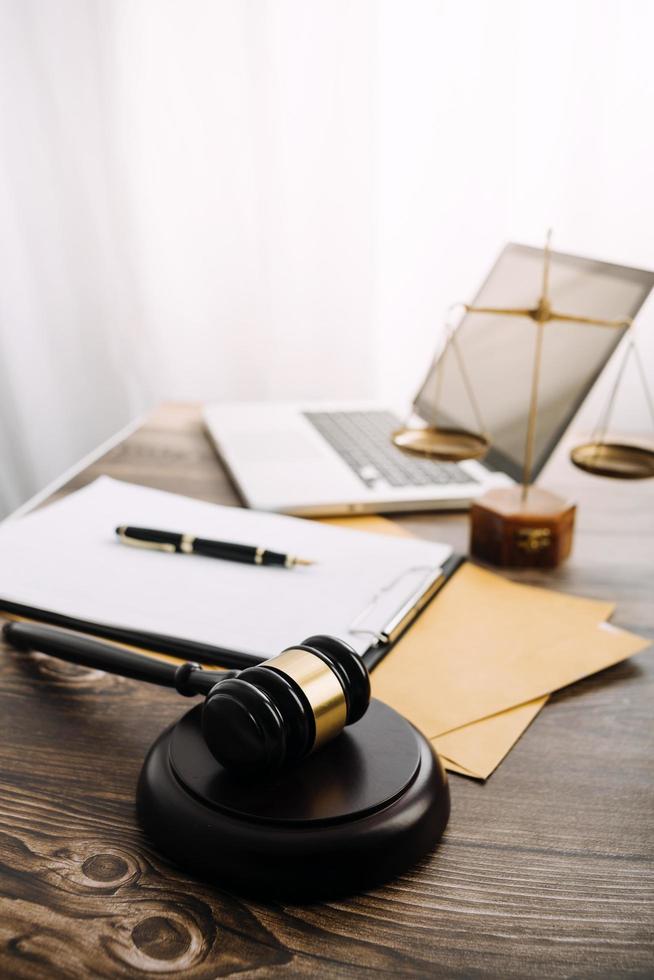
<point>618,460</point>
<point>448,445</point>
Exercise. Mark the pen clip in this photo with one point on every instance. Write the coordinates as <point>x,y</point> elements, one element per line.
<point>137,543</point>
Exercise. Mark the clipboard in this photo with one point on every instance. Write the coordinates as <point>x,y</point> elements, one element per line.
<point>218,656</point>
<point>365,588</point>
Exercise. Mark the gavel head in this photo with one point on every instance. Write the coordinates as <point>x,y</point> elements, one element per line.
<point>281,710</point>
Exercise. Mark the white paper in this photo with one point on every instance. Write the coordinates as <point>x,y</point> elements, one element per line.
<point>67,559</point>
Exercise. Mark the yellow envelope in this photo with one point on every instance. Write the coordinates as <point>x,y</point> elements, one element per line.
<point>483,744</point>
<point>486,644</point>
<point>468,670</point>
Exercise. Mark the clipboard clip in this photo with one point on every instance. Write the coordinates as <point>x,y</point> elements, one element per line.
<point>429,586</point>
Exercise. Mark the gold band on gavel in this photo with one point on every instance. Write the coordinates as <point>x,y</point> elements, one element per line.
<point>321,688</point>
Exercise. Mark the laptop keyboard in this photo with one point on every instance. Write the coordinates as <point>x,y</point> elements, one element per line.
<point>363,441</point>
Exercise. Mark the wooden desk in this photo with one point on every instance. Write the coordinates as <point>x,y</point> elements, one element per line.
<point>544,871</point>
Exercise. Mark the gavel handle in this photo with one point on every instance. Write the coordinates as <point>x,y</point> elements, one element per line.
<point>188,678</point>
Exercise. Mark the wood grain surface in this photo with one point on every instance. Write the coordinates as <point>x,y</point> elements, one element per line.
<point>545,871</point>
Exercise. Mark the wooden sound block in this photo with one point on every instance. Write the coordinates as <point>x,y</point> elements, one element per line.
<point>506,530</point>
<point>359,811</point>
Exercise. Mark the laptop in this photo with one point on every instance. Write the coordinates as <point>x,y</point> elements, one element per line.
<point>328,459</point>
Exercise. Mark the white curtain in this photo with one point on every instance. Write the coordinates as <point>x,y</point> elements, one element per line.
<point>185,202</point>
<point>230,199</point>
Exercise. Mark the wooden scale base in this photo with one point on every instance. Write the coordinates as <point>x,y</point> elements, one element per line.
<point>361,810</point>
<point>509,530</point>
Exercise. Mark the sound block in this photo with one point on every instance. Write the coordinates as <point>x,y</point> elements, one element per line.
<point>359,811</point>
<point>513,530</point>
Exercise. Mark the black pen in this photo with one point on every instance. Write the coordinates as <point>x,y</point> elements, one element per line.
<point>187,544</point>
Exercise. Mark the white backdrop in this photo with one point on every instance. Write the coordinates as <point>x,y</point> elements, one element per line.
<point>279,198</point>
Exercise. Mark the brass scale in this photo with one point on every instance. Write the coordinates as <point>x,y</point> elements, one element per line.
<point>600,456</point>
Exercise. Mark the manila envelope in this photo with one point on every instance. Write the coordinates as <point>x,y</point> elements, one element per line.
<point>483,744</point>
<point>487,644</point>
<point>488,652</point>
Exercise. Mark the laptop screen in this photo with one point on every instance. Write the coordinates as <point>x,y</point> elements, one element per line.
<point>498,351</point>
